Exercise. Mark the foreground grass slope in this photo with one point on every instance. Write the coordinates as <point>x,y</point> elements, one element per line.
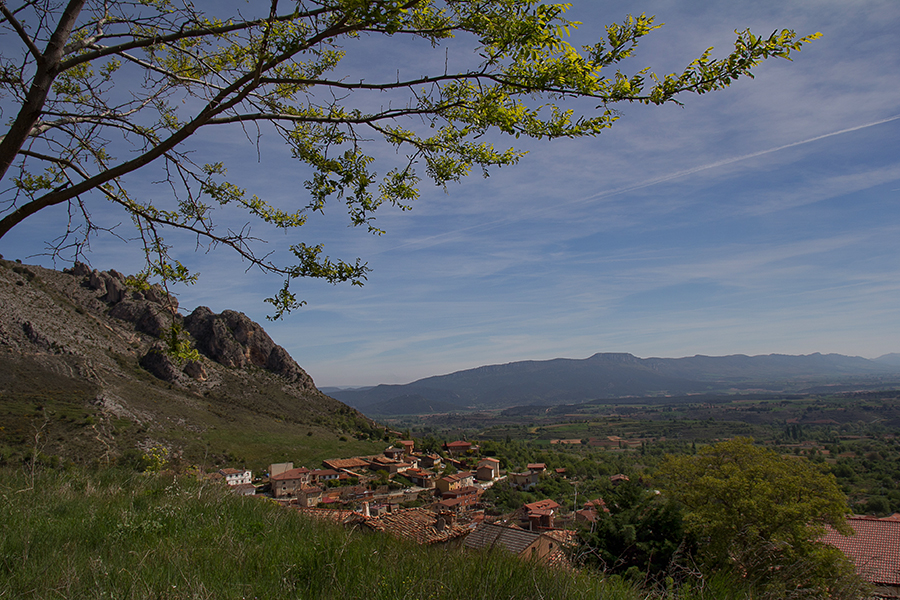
<point>112,534</point>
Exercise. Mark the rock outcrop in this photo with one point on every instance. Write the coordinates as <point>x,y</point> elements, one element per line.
<point>231,338</point>
<point>234,340</point>
<point>86,371</point>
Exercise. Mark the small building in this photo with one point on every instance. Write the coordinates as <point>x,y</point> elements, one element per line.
<point>449,483</point>
<point>394,453</point>
<point>244,489</point>
<point>320,475</point>
<point>488,469</point>
<point>309,496</point>
<point>591,511</point>
<point>469,490</point>
<point>409,447</point>
<point>618,478</point>
<point>536,467</point>
<point>540,514</point>
<point>525,480</point>
<point>420,478</point>
<point>529,545</point>
<point>236,476</point>
<point>429,461</point>
<point>383,463</point>
<point>287,483</point>
<point>459,447</point>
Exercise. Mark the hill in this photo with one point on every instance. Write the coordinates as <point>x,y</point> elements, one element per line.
<point>87,377</point>
<point>618,375</point>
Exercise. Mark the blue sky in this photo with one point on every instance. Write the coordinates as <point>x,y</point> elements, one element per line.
<point>760,219</point>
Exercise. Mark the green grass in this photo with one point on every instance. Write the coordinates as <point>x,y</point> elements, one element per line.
<point>112,534</point>
<point>286,442</point>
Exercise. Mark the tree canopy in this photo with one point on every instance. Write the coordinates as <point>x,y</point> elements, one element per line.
<point>101,90</point>
<point>760,516</point>
<point>639,533</point>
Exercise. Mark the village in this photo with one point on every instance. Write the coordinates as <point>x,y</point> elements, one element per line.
<point>442,505</point>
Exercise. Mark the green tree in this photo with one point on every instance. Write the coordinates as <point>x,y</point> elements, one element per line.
<point>760,515</point>
<point>100,90</point>
<point>639,536</point>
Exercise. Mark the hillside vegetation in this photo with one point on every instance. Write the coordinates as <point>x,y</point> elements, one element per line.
<point>114,534</point>
<point>86,378</point>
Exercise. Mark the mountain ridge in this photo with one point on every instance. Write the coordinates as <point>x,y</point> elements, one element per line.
<point>620,375</point>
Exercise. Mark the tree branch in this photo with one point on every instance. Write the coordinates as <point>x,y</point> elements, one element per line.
<point>47,70</point>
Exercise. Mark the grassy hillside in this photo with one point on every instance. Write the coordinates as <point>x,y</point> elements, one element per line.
<point>73,388</point>
<point>113,534</point>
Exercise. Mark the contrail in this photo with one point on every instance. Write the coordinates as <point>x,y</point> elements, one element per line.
<point>436,239</point>
<point>729,161</point>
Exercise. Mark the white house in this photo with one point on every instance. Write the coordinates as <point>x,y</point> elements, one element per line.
<point>236,476</point>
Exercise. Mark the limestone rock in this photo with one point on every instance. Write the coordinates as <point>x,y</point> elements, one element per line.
<point>115,290</point>
<point>81,270</point>
<point>280,362</point>
<point>233,339</point>
<point>213,337</point>
<point>147,317</point>
<point>159,364</point>
<point>194,369</point>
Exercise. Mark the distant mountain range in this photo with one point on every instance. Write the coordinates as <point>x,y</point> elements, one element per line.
<point>618,375</point>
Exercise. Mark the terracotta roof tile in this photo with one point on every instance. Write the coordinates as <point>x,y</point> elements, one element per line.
<point>345,463</point>
<point>542,505</point>
<point>298,473</point>
<point>487,536</point>
<point>417,524</point>
<point>875,549</point>
<point>565,539</point>
<point>326,514</point>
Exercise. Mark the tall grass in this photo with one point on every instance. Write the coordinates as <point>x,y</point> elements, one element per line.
<point>112,534</point>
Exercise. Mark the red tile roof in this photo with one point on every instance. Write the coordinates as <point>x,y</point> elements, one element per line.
<point>417,524</point>
<point>326,514</point>
<point>514,539</point>
<point>231,471</point>
<point>875,549</point>
<point>459,444</point>
<point>565,540</point>
<point>298,473</point>
<point>345,463</point>
<point>542,505</point>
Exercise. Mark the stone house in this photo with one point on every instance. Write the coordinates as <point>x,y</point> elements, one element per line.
<point>488,469</point>
<point>420,478</point>
<point>449,483</point>
<point>529,545</point>
<point>525,480</point>
<point>287,483</point>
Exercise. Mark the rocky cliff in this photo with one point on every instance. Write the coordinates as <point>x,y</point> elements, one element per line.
<point>88,373</point>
